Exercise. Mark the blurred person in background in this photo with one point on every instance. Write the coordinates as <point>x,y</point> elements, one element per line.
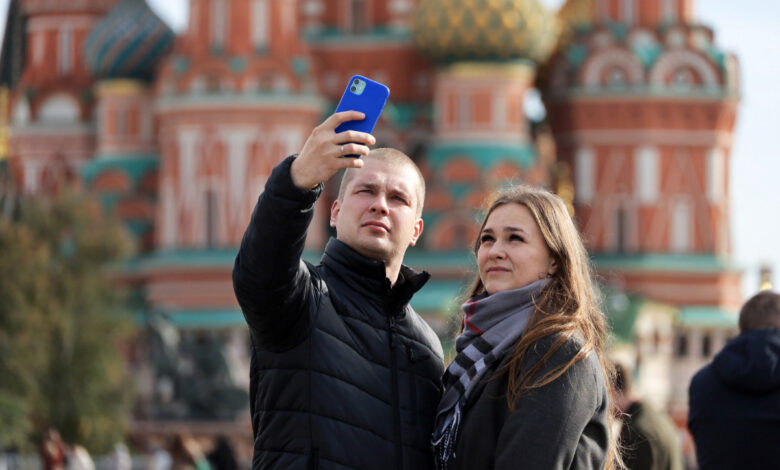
<point>734,409</point>
<point>648,438</point>
<point>78,458</point>
<point>52,451</point>
<point>530,385</point>
<point>120,458</point>
<point>157,457</point>
<point>187,454</point>
<point>223,457</point>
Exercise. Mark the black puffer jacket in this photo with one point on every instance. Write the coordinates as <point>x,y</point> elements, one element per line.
<point>734,412</point>
<point>344,374</point>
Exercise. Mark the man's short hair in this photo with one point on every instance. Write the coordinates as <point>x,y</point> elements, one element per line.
<point>761,311</point>
<point>395,158</point>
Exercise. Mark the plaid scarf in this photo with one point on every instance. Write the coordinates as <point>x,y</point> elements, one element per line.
<point>491,326</point>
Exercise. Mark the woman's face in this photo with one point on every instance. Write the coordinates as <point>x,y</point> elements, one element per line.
<point>512,252</point>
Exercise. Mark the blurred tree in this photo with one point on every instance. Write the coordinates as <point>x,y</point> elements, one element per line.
<point>62,321</point>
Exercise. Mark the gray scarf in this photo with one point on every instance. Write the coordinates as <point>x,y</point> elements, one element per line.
<point>491,326</point>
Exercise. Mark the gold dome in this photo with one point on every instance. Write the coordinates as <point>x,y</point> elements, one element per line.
<point>449,30</point>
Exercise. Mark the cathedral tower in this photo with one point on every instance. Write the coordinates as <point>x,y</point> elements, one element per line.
<point>643,105</point>
<point>52,104</point>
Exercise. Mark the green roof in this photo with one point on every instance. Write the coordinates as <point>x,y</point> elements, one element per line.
<point>135,166</point>
<point>441,296</point>
<point>417,258</point>
<point>216,258</point>
<point>662,262</point>
<point>484,154</point>
<point>200,318</point>
<point>708,316</point>
<point>436,295</point>
<point>622,311</point>
<point>422,259</point>
<point>332,35</point>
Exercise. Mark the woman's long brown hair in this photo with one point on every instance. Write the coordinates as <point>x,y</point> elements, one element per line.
<point>567,307</point>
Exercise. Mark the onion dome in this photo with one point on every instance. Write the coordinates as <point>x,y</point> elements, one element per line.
<point>128,42</point>
<point>450,30</point>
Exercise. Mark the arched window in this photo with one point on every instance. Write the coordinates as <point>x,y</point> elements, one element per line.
<point>681,345</point>
<point>59,108</point>
<point>706,345</point>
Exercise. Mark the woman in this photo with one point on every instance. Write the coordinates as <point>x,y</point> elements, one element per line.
<point>529,386</point>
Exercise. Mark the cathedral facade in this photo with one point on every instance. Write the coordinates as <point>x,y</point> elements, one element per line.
<point>624,108</point>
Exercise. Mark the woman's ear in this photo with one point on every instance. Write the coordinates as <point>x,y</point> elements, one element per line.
<point>553,268</point>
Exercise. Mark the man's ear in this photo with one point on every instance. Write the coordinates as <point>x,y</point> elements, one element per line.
<point>418,228</point>
<point>334,213</point>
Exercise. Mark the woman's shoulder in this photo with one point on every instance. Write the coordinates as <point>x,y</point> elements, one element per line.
<point>569,348</point>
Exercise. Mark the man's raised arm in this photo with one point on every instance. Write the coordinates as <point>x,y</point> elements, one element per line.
<point>272,284</point>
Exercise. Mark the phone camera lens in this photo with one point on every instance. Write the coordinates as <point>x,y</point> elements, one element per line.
<point>353,88</point>
<point>356,82</point>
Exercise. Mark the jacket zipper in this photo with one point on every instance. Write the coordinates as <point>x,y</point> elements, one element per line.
<point>396,406</point>
<point>412,381</point>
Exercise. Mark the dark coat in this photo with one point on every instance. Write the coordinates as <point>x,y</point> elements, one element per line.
<point>344,374</point>
<point>648,440</point>
<point>562,425</point>
<point>734,411</point>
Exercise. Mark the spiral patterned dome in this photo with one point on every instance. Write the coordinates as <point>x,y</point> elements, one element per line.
<point>128,42</point>
<point>449,30</point>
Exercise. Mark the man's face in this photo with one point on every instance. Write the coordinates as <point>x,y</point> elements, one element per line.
<point>377,215</point>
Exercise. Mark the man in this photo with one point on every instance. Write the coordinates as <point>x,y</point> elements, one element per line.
<point>344,374</point>
<point>648,439</point>
<point>734,414</point>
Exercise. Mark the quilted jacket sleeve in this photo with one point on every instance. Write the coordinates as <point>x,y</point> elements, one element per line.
<point>274,287</point>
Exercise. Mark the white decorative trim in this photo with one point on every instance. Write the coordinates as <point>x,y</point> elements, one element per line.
<point>716,175</point>
<point>168,223</point>
<point>261,24</point>
<point>189,141</point>
<point>672,60</point>
<point>649,137</point>
<point>219,22</point>
<point>669,10</point>
<point>628,12</point>
<point>613,57</point>
<point>239,102</point>
<point>42,24</point>
<point>237,141</point>
<point>646,171</point>
<point>65,49</point>
<point>681,235</point>
<point>21,112</point>
<point>32,168</point>
<point>585,173</point>
<point>59,107</point>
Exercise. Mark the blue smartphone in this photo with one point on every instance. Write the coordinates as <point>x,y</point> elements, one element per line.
<point>364,95</point>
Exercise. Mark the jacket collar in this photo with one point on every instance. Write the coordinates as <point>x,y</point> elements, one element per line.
<point>369,277</point>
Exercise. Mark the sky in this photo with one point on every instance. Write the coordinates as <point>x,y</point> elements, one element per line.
<point>749,29</point>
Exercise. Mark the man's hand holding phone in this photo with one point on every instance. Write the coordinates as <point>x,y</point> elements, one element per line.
<point>322,154</point>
